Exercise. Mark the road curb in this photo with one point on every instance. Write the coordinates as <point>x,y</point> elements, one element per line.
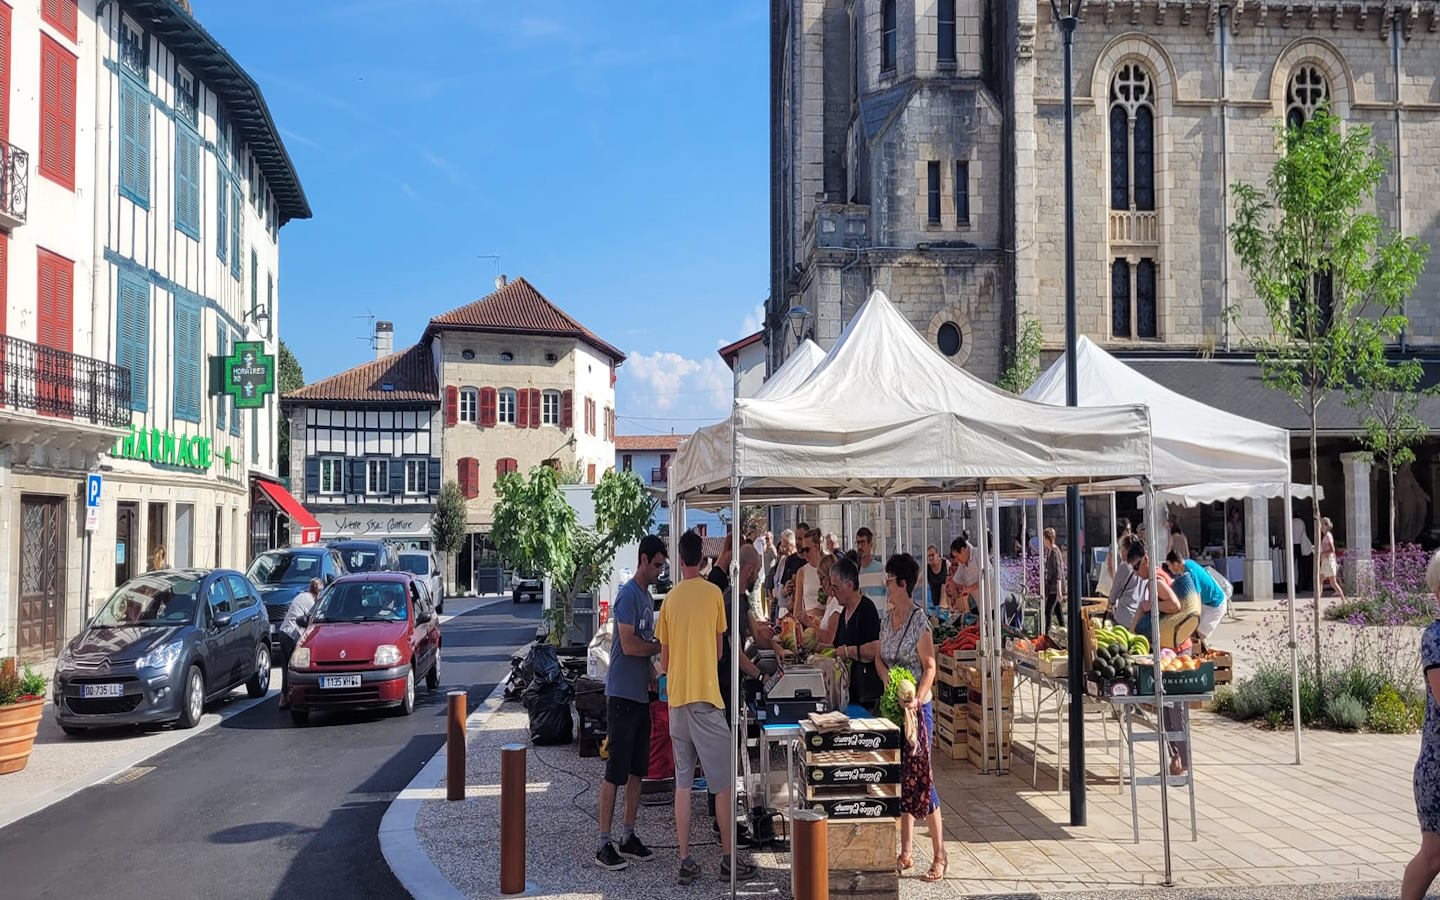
<point>399,843</point>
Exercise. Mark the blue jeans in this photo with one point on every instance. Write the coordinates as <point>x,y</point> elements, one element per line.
<point>927,719</point>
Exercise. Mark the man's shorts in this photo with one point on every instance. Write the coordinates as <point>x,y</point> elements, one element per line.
<point>1210,617</point>
<point>698,732</point>
<point>627,725</point>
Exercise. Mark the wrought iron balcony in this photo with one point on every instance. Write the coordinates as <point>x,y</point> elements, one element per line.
<point>62,384</point>
<point>14,185</point>
<point>659,476</point>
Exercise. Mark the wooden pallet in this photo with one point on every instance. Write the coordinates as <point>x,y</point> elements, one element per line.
<point>862,845</point>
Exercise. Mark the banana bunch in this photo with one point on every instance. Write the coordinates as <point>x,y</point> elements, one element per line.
<point>1119,636</point>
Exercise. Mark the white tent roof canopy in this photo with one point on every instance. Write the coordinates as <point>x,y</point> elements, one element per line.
<point>1199,494</point>
<point>1194,443</point>
<point>798,366</point>
<point>885,414</point>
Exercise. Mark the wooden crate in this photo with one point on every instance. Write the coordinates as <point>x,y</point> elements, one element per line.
<point>948,670</point>
<point>865,885</point>
<point>862,845</point>
<point>836,768</point>
<point>864,734</point>
<point>976,682</point>
<point>951,748</point>
<point>1224,666</point>
<point>975,728</point>
<point>985,760</point>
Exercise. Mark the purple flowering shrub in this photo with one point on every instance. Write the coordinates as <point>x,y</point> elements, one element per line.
<point>1390,600</point>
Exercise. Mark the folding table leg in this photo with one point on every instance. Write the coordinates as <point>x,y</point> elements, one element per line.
<point>1190,772</point>
<point>1130,747</point>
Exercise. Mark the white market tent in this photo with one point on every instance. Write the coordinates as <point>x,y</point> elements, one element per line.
<point>884,414</point>
<point>1202,454</point>
<point>798,366</point>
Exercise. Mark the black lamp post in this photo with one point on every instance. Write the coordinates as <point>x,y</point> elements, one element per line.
<point>1067,16</point>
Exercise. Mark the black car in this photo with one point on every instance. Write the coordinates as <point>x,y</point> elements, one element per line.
<point>281,574</point>
<point>162,646</point>
<point>367,556</point>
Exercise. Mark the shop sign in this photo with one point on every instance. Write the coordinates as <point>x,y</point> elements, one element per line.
<point>247,374</point>
<point>165,448</point>
<point>364,525</point>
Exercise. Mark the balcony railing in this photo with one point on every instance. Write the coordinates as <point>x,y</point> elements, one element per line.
<point>1134,227</point>
<point>659,476</point>
<point>14,185</point>
<point>62,384</point>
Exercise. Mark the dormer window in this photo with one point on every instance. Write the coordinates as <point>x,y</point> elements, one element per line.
<point>187,96</point>
<point>133,55</point>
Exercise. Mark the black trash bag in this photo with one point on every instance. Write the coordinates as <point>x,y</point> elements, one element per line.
<point>542,665</point>
<point>518,680</point>
<point>549,706</point>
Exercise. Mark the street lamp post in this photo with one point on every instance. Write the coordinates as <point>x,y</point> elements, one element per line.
<point>1068,19</point>
<point>797,316</point>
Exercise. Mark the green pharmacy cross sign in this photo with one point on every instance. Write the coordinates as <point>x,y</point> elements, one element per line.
<point>247,374</point>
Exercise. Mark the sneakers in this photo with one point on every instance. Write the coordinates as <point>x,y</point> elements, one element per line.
<point>635,849</point>
<point>607,858</point>
<point>689,871</point>
<point>744,871</point>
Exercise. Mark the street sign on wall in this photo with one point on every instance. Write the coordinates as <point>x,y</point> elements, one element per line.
<point>92,501</point>
<point>247,374</point>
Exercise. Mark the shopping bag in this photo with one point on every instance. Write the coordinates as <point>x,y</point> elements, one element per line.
<point>662,754</point>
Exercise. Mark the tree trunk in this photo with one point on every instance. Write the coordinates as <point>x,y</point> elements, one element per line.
<point>1390,469</point>
<point>1315,504</point>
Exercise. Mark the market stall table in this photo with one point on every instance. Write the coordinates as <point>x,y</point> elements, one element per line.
<point>1127,706</point>
<point>1045,688</point>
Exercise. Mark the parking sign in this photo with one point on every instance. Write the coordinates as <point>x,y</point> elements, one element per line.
<point>92,501</point>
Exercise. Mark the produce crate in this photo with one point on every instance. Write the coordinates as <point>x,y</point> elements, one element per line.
<point>974,728</point>
<point>854,885</point>
<point>955,695</point>
<point>950,720</point>
<point>1057,667</point>
<point>985,758</point>
<point>1224,664</point>
<point>862,845</point>
<point>951,748</point>
<point>850,768</point>
<point>949,668</point>
<point>1200,680</point>
<point>1096,686</point>
<point>975,681</point>
<point>876,801</point>
<point>864,734</point>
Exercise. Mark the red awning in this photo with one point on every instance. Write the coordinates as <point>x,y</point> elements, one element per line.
<point>309,528</point>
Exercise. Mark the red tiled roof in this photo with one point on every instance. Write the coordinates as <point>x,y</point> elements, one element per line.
<point>642,442</point>
<point>411,372</point>
<point>517,308</point>
<point>730,351</point>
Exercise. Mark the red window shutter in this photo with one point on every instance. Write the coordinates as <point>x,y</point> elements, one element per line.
<point>4,72</point>
<point>452,406</point>
<point>567,409</point>
<point>488,400</point>
<point>460,474</point>
<point>522,408</point>
<point>474,476</point>
<point>57,113</point>
<point>590,473</point>
<point>499,468</point>
<point>55,308</point>
<point>62,14</point>
<point>4,280</point>
<point>535,410</point>
<point>612,374</point>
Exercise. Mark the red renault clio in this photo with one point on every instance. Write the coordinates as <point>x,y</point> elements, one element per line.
<point>370,638</point>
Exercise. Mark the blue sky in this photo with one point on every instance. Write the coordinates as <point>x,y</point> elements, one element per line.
<point>615,154</point>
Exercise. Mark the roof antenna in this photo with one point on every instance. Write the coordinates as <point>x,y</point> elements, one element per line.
<point>369,337</point>
<point>495,257</point>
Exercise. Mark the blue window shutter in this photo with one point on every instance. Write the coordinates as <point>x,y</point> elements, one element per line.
<point>237,216</point>
<point>187,182</point>
<point>254,279</point>
<point>356,468</point>
<point>187,359</point>
<point>397,476</point>
<point>312,475</point>
<point>142,146</point>
<point>235,426</point>
<point>132,337</point>
<point>433,484</point>
<point>135,142</point>
<point>222,399</point>
<point>222,197</point>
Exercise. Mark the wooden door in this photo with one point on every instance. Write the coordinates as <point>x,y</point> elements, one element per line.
<point>42,581</point>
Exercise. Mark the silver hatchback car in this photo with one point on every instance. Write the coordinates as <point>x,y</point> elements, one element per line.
<point>423,565</point>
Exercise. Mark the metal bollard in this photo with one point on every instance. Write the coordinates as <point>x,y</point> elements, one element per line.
<point>455,746</point>
<point>810,868</point>
<point>512,819</point>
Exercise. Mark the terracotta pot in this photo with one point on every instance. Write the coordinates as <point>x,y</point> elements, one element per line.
<point>18,724</point>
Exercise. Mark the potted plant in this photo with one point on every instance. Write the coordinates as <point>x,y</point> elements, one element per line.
<point>22,700</point>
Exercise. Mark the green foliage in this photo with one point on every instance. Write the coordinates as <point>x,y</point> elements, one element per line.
<point>890,708</point>
<point>1312,231</point>
<point>1224,702</point>
<point>1346,712</point>
<point>1250,700</point>
<point>18,686</point>
<point>1361,683</point>
<point>447,526</point>
<point>1022,364</point>
<point>535,529</point>
<point>1415,703</point>
<point>1390,428</point>
<point>1388,714</point>
<point>290,377</point>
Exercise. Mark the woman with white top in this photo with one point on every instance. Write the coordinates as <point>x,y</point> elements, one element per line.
<point>807,582</point>
<point>1329,562</point>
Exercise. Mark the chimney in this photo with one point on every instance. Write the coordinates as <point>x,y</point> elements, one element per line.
<point>384,339</point>
<point>499,281</point>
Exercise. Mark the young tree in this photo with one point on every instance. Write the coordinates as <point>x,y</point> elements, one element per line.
<point>1330,278</point>
<point>447,526</point>
<point>290,378</point>
<point>1022,365</point>
<point>1391,427</point>
<point>535,529</point>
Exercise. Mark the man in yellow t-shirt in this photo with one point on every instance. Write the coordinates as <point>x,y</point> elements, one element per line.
<point>690,628</point>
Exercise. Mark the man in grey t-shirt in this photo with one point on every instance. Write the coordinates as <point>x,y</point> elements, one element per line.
<point>627,705</point>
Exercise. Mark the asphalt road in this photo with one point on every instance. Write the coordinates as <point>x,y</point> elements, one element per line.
<point>258,807</point>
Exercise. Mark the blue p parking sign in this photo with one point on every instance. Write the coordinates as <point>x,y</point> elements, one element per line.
<point>92,501</point>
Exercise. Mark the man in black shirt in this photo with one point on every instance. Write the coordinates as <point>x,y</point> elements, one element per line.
<point>857,635</point>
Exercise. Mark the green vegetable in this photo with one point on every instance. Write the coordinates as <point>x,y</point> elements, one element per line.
<point>890,707</point>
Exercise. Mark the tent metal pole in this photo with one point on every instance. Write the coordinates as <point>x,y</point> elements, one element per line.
<point>999,630</point>
<point>735,650</point>
<point>1152,513</point>
<point>878,542</point>
<point>1288,514</point>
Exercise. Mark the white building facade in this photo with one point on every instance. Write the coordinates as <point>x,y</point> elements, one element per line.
<point>156,190</point>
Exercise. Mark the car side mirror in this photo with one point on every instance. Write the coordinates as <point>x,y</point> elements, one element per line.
<point>422,617</point>
<point>329,577</point>
<point>222,620</point>
<point>302,621</point>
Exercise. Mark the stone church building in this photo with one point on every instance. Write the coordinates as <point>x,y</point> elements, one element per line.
<point>917,147</point>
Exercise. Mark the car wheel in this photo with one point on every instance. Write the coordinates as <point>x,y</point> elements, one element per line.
<point>515,597</point>
<point>192,705</point>
<point>299,716</point>
<point>259,683</point>
<point>407,705</point>
<point>432,678</point>
<point>440,608</point>
<point>72,730</point>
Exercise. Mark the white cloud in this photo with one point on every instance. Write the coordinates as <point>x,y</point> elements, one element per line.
<point>653,385</point>
<point>753,320</point>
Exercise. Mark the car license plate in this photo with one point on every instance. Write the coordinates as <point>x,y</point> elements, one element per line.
<point>102,690</point>
<point>340,681</point>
